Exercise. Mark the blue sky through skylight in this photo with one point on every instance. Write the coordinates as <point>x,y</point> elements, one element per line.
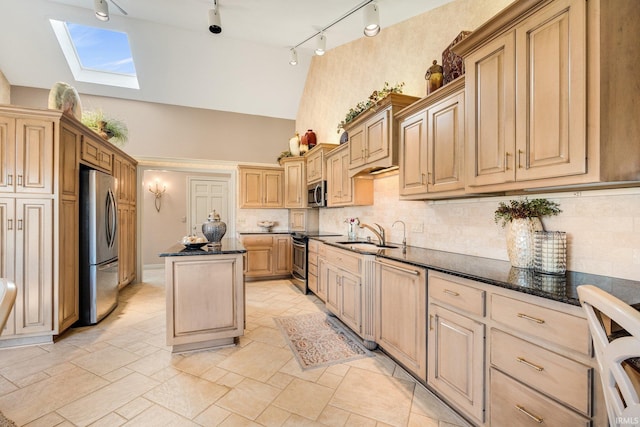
<point>102,50</point>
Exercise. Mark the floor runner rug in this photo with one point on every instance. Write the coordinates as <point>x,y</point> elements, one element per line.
<point>6,422</point>
<point>318,339</point>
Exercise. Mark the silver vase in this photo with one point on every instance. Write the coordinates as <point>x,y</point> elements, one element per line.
<point>521,241</point>
<point>214,229</point>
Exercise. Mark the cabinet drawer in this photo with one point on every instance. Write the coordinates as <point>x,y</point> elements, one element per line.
<point>313,269</point>
<point>255,241</point>
<point>314,245</point>
<point>344,260</point>
<point>457,295</point>
<point>542,322</point>
<point>555,375</point>
<point>313,259</point>
<point>513,404</point>
<point>322,250</point>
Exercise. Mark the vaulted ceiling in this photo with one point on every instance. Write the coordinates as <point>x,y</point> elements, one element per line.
<point>244,69</point>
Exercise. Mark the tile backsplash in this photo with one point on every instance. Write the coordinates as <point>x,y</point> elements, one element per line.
<point>602,226</point>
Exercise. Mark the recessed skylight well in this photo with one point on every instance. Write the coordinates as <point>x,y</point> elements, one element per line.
<point>97,55</point>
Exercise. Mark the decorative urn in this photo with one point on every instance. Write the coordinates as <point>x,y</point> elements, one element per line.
<point>214,229</point>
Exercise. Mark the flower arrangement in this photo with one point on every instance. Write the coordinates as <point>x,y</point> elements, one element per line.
<point>525,208</point>
<point>352,221</point>
<point>114,130</point>
<point>374,98</point>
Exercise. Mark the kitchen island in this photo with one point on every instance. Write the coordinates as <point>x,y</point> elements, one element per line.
<point>205,295</point>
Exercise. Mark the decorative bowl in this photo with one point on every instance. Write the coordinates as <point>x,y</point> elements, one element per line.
<point>266,225</point>
<point>192,246</point>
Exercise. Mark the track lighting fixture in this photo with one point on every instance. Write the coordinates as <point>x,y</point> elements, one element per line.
<point>322,44</point>
<point>215,25</point>
<point>293,57</point>
<point>102,9</point>
<point>371,20</point>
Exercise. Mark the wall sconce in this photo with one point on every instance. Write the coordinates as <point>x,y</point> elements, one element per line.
<point>158,193</point>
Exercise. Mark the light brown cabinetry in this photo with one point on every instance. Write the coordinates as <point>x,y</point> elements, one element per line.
<point>373,139</point>
<point>431,145</point>
<point>316,163</point>
<point>261,187</point>
<point>456,343</point>
<point>205,301</point>
<point>268,255</point>
<point>26,154</point>
<point>95,153</point>
<point>401,314</point>
<point>124,170</point>
<point>342,189</point>
<point>303,219</point>
<point>295,187</point>
<point>344,287</point>
<point>313,249</point>
<point>536,74</point>
<point>41,153</point>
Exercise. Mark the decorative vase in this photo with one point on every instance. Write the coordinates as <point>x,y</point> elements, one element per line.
<point>310,139</point>
<point>521,241</point>
<point>352,232</point>
<point>294,145</point>
<point>214,229</point>
<point>434,77</point>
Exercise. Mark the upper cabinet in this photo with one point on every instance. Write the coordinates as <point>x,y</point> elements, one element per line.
<point>431,144</point>
<point>316,162</point>
<point>342,189</point>
<point>373,139</point>
<point>26,154</point>
<point>536,74</point>
<point>261,187</point>
<point>295,187</point>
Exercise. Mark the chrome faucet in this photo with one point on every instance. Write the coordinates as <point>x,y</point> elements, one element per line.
<point>379,233</point>
<point>404,233</point>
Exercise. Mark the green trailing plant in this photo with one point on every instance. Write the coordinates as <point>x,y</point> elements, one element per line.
<point>114,130</point>
<point>525,208</point>
<point>375,97</point>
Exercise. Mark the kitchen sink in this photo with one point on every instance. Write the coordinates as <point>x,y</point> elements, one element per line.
<point>365,245</point>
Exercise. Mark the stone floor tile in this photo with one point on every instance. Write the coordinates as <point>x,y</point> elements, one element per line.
<point>304,398</point>
<point>273,417</point>
<point>110,420</point>
<point>133,408</point>
<point>257,360</point>
<point>157,416</point>
<point>212,416</point>
<point>235,420</point>
<point>333,416</point>
<point>186,394</point>
<point>106,360</point>
<point>51,419</point>
<point>249,398</point>
<point>356,420</point>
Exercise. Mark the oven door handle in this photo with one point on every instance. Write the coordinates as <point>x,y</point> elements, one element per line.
<point>299,245</point>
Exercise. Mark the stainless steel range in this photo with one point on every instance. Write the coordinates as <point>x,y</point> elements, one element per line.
<point>300,244</point>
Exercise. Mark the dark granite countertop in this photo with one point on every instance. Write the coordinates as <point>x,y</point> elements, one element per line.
<point>500,273</point>
<point>229,246</point>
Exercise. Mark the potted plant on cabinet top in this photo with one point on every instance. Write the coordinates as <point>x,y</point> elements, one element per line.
<point>113,130</point>
<point>523,217</point>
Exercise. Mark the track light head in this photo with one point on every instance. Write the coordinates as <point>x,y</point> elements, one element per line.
<point>102,9</point>
<point>215,25</point>
<point>293,57</point>
<point>322,44</point>
<point>371,20</point>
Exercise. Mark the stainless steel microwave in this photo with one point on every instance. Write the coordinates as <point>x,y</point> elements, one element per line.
<point>317,195</point>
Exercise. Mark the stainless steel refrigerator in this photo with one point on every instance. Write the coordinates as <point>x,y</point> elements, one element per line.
<point>98,246</point>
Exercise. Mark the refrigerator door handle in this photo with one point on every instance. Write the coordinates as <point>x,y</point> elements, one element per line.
<point>111,223</point>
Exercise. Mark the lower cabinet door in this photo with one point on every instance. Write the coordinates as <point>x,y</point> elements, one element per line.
<point>350,312</point>
<point>333,293</point>
<point>456,359</point>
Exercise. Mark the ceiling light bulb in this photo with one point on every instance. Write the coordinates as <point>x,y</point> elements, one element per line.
<point>215,25</point>
<point>102,9</point>
<point>293,58</point>
<point>322,45</point>
<point>371,20</point>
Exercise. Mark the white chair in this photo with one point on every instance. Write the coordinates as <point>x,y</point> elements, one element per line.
<point>7,299</point>
<point>621,397</point>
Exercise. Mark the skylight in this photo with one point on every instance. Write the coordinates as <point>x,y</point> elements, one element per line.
<point>97,55</point>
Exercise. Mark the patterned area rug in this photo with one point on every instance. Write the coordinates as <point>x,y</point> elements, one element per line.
<point>6,422</point>
<point>318,339</point>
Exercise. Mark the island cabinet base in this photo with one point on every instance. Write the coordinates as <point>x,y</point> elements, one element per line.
<point>205,301</point>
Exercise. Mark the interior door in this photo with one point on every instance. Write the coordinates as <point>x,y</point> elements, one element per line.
<point>205,195</point>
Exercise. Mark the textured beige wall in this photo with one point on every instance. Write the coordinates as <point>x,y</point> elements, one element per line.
<point>169,131</point>
<point>5,90</point>
<point>603,226</point>
<point>348,74</point>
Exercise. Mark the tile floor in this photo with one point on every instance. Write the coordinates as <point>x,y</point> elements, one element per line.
<point>120,372</point>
